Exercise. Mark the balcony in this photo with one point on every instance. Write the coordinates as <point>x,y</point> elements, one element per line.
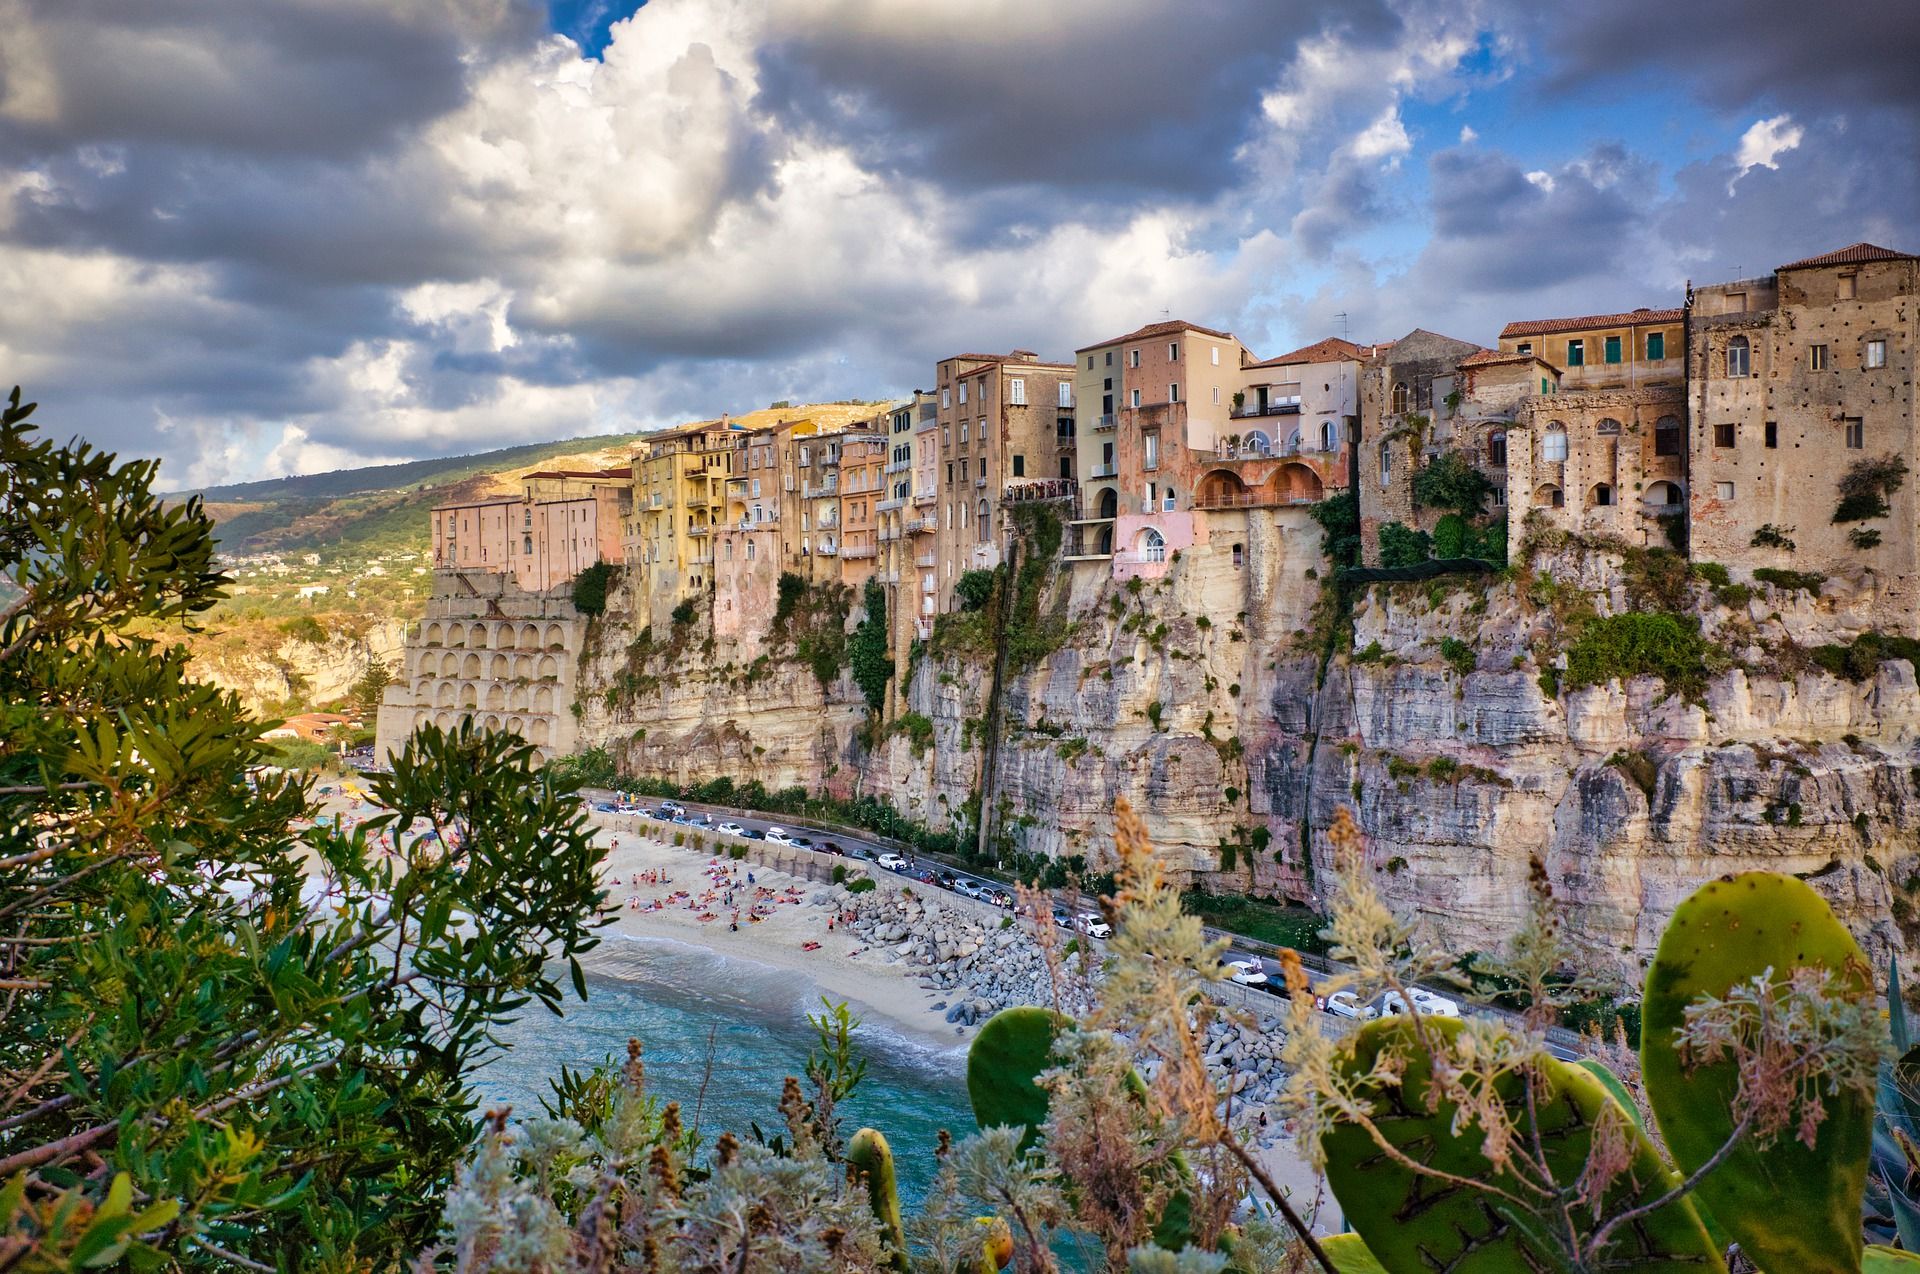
<point>1103,471</point>
<point>889,504</point>
<point>924,560</point>
<point>921,526</point>
<point>827,524</point>
<point>1238,500</point>
<point>980,483</point>
<point>898,466</point>
<point>828,550</point>
<point>923,627</point>
<point>1289,406</point>
<point>700,530</point>
<point>921,499</point>
<point>858,551</point>
<point>818,490</point>
<point>1041,489</point>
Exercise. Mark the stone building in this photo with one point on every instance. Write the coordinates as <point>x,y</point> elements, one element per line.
<point>1640,349</point>
<point>1796,380</point>
<point>863,460</point>
<point>999,423</point>
<point>562,522</point>
<point>490,652</point>
<point>1600,462</point>
<point>1411,392</point>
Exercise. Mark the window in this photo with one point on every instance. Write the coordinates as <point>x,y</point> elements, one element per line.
<point>1723,490</point>
<point>963,433</point>
<point>1133,398</point>
<point>1109,363</point>
<point>1153,546</point>
<point>1017,391</point>
<point>1576,353</point>
<point>1601,496</point>
<point>1329,436</point>
<point>1173,351</point>
<point>1215,351</point>
<point>1216,395</point>
<point>1019,466</point>
<point>946,399</point>
<point>1133,358</point>
<point>1739,363</point>
<point>949,473</point>
<point>1546,386</point>
<point>1876,354</point>
<point>1666,437</point>
<point>1553,446</point>
<point>1173,391</point>
<point>983,521</point>
<point>1608,428</point>
<point>1524,347</point>
<point>1816,358</point>
<point>1399,399</point>
<point>1386,464</point>
<point>1150,451</point>
<point>1844,288</point>
<point>1856,431</point>
<point>1066,391</point>
<point>749,550</point>
<point>1496,450</point>
<point>1611,351</point>
<point>756,488</point>
<point>1723,435</point>
<point>1239,556</point>
<point>1772,433</point>
<point>1089,362</point>
<point>1656,346</point>
<point>963,391</point>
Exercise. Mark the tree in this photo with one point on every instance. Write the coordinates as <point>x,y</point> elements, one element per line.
<point>1339,519</point>
<point>199,1064</point>
<point>867,651</point>
<point>590,588</point>
<point>1400,545</point>
<point>975,588</point>
<point>367,691</point>
<point>1451,482</point>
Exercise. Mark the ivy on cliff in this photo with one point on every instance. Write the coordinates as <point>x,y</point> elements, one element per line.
<point>867,652</point>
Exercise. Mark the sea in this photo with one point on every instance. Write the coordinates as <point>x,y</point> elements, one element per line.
<point>719,1036</point>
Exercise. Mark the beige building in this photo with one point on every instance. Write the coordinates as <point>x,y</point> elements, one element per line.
<point>1640,349</point>
<point>1796,380</point>
<point>562,522</point>
<point>679,502</point>
<point>863,460</point>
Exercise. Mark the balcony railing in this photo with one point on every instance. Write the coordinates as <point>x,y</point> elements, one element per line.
<point>700,530</point>
<point>1104,424</point>
<point>859,551</point>
<point>921,499</point>
<point>828,550</point>
<point>981,481</point>
<point>1041,489</point>
<point>921,526</point>
<point>887,534</point>
<point>818,490</point>
<point>1283,407</point>
<point>1103,471</point>
<point>892,502</point>
<point>923,560</point>
<point>899,466</point>
<point>923,626</point>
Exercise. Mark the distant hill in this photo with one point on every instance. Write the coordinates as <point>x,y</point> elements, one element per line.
<point>363,513</point>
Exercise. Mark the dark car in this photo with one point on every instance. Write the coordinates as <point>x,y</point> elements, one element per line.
<point>801,842</point>
<point>752,834</point>
<point>947,880</point>
<point>832,847</point>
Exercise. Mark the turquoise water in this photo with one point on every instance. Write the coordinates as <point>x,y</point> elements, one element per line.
<point>675,997</point>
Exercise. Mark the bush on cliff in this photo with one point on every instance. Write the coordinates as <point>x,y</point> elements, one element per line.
<point>1639,644</point>
<point>867,652</point>
<point>590,588</point>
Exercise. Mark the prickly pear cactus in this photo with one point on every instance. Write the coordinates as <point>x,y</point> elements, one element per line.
<point>996,1244</point>
<point>1790,1207</point>
<point>869,1153</point>
<point>1014,1046</point>
<point>1349,1255</point>
<point>1889,1260</point>
<point>1409,1221</point>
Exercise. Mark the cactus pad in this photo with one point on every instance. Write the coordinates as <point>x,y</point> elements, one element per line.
<point>870,1155</point>
<point>1789,1207</point>
<point>1011,1049</point>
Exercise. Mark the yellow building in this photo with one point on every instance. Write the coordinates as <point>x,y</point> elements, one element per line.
<point>1641,349</point>
<point>679,498</point>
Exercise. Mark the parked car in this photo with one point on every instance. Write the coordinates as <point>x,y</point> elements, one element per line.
<point>892,862</point>
<point>627,807</point>
<point>730,829</point>
<point>778,836</point>
<point>672,807</point>
<point>1347,1004</point>
<point>750,834</point>
<point>1091,924</point>
<point>968,888</point>
<point>946,880</point>
<point>800,842</point>
<point>1429,1003</point>
<point>1246,972</point>
<point>832,847</point>
<point>1063,918</point>
<point>605,807</point>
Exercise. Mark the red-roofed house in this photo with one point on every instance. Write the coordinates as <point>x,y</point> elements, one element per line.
<point>1638,349</point>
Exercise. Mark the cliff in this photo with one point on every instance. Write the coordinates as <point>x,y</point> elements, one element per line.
<point>319,662</point>
<point>1455,717</point>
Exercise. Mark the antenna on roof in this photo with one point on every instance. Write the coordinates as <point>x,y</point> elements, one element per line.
<point>1165,314</point>
<point>1342,316</point>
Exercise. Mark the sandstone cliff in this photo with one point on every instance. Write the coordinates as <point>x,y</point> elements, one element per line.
<point>269,668</point>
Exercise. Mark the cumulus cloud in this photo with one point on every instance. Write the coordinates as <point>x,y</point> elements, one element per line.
<point>1763,143</point>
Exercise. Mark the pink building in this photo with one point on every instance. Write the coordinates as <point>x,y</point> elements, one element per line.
<point>562,522</point>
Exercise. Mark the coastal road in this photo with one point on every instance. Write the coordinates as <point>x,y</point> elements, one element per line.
<point>856,844</point>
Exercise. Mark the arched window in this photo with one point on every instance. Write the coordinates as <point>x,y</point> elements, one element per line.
<point>749,550</point>
<point>1553,444</point>
<point>1497,450</point>
<point>1739,360</point>
<point>1549,496</point>
<point>1608,428</point>
<point>1666,437</point>
<point>1664,495</point>
<point>1329,436</point>
<point>1600,497</point>
<point>1293,443</point>
<point>1256,443</point>
<point>1153,546</point>
<point>1399,399</point>
<point>1386,464</point>
<point>726,549</point>
<point>982,521</point>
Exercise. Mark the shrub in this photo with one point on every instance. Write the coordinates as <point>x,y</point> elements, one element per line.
<point>1639,767</point>
<point>1451,482</point>
<point>1460,655</point>
<point>590,588</point>
<point>305,628</point>
<point>683,614</point>
<point>1635,644</point>
<point>917,728</point>
<point>1713,573</point>
<point>788,593</point>
<point>1154,711</point>
<point>1443,769</point>
<point>1864,537</point>
<point>1793,581</point>
<point>1402,769</point>
<point>974,589</point>
<point>1865,487</point>
<point>1773,536</point>
<point>737,852</point>
<point>867,652</point>
<point>1339,519</point>
<point>1402,546</point>
<point>1862,657</point>
<point>864,885</point>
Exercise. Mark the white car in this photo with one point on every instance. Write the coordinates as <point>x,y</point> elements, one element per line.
<point>1090,923</point>
<point>1347,1004</point>
<point>1431,1004</point>
<point>892,862</point>
<point>778,836</point>
<point>1246,972</point>
<point>730,829</point>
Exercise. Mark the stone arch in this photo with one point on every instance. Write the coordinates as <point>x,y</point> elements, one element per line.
<point>1399,399</point>
<point>1496,449</point>
<point>1256,443</point>
<point>1666,436</point>
<point>469,695</point>
<point>540,734</point>
<point>1296,484</point>
<point>530,636</point>
<point>549,668</point>
<point>983,522</point>
<point>500,667</point>
<point>1600,495</point>
<point>1150,544</point>
<point>543,699</point>
<point>470,666</point>
<point>523,666</point>
<point>517,699</point>
<point>492,722</point>
<point>449,665</point>
<point>1553,444</point>
<point>502,636</point>
<point>1103,538</point>
<point>496,696</point>
<point>444,720</point>
<point>421,718</point>
<point>432,636</point>
<point>477,636</point>
<point>447,697</point>
<point>518,725</point>
<point>1608,427</point>
<point>1548,496</point>
<point>1109,502</point>
<point>1665,493</point>
<point>556,636</point>
<point>1222,489</point>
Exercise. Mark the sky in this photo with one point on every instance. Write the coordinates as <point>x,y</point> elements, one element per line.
<point>262,237</point>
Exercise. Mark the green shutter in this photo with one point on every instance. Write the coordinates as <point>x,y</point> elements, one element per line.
<point>1656,346</point>
<point>1613,349</point>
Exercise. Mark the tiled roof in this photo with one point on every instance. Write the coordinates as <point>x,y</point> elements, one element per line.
<point>1025,356</point>
<point>626,472</point>
<point>1853,254</point>
<point>1540,327</point>
<point>1491,357</point>
<point>1331,350</point>
<point>1152,330</point>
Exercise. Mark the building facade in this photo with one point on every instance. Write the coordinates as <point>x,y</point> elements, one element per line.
<point>1640,349</point>
<point>561,523</point>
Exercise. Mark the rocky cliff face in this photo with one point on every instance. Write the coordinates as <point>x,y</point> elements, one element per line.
<point>1203,697</point>
<point>269,668</point>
